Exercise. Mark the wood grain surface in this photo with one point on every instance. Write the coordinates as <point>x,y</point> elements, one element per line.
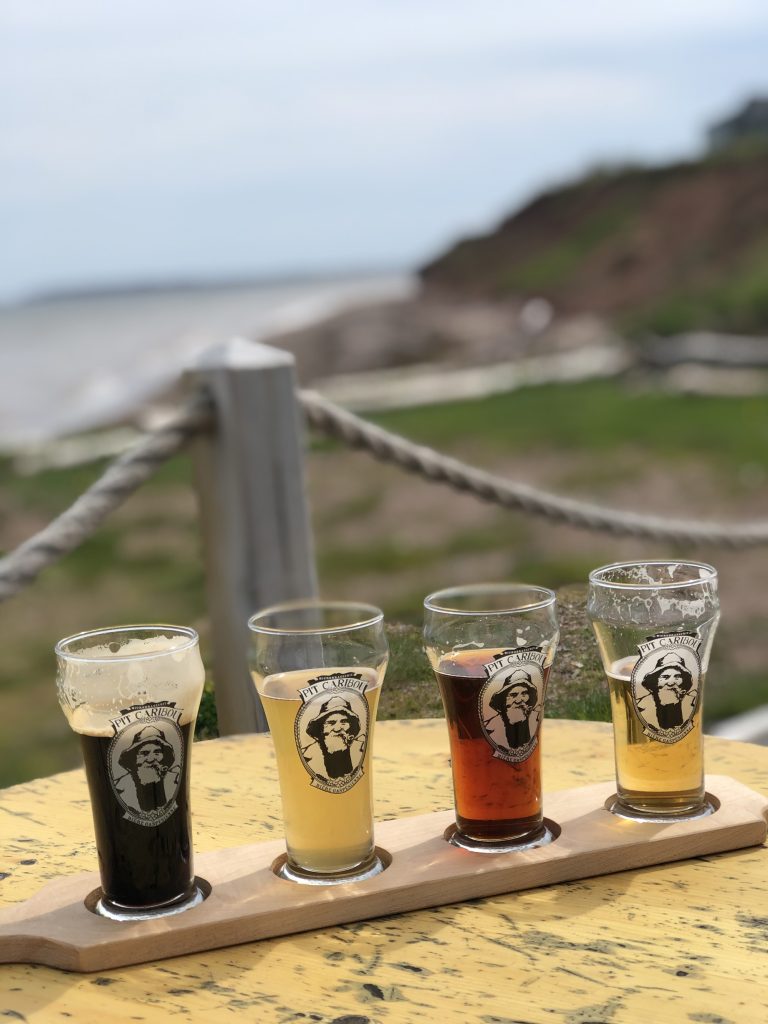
<point>249,902</point>
<point>681,942</point>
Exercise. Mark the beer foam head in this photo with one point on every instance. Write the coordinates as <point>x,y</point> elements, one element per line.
<point>102,674</point>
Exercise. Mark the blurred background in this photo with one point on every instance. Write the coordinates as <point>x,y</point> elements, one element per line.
<point>399,194</point>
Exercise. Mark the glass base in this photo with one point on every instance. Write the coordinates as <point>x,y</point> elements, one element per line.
<point>547,834</point>
<point>375,864</point>
<point>114,912</point>
<point>617,807</point>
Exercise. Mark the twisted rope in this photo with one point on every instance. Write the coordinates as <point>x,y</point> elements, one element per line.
<point>426,462</point>
<point>130,470</point>
<point>86,514</point>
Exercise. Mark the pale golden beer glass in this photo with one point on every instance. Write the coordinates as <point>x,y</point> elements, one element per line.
<point>318,669</point>
<point>655,623</point>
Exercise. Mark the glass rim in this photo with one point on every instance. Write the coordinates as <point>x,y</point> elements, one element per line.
<point>434,602</point>
<point>709,577</point>
<point>371,616</point>
<point>188,632</point>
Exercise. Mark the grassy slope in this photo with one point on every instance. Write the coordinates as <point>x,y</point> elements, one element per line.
<point>659,249</point>
<point>598,417</point>
<point>144,564</point>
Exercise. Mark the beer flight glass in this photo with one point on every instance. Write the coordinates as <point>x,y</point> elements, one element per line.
<point>655,623</point>
<point>491,648</point>
<point>318,669</point>
<point>131,694</point>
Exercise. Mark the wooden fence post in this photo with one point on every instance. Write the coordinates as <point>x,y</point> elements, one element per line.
<point>257,540</point>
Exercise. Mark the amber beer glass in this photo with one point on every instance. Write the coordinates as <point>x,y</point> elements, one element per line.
<point>318,669</point>
<point>492,647</point>
<point>655,623</point>
<point>131,694</point>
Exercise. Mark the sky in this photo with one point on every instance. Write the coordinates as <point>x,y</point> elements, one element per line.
<point>163,141</point>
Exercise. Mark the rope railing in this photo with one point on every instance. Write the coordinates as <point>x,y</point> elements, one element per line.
<point>130,470</point>
<point>77,523</point>
<point>432,465</point>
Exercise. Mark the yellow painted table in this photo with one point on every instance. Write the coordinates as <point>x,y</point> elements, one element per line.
<point>685,942</point>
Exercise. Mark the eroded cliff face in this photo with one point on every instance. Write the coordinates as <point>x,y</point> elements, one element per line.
<point>668,248</point>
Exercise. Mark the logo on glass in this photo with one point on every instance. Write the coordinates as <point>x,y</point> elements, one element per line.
<point>146,761</point>
<point>510,702</point>
<point>332,730</point>
<point>665,685</point>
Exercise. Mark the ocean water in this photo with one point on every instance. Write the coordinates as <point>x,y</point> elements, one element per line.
<point>72,364</point>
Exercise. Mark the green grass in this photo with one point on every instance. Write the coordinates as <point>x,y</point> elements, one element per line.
<point>731,693</point>
<point>560,260</point>
<point>597,417</point>
<point>587,707</point>
<point>390,557</point>
<point>352,510</point>
<point>52,490</point>
<point>737,303</point>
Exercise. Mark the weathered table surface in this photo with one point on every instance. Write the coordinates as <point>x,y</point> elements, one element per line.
<point>685,942</point>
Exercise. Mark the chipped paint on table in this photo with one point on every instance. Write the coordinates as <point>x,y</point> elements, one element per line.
<point>683,942</point>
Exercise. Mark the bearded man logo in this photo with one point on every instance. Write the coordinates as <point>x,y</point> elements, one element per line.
<point>515,703</point>
<point>338,740</point>
<point>671,695</point>
<point>152,771</point>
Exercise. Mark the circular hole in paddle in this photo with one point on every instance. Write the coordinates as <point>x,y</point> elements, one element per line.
<point>96,905</point>
<point>614,805</point>
<point>550,832</point>
<point>379,862</point>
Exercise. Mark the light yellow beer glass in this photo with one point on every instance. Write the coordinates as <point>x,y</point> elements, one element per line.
<point>318,667</point>
<point>655,623</point>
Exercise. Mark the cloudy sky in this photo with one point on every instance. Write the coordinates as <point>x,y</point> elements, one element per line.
<point>184,139</point>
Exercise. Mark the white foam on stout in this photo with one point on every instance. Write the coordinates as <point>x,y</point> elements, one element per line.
<point>95,691</point>
<point>286,685</point>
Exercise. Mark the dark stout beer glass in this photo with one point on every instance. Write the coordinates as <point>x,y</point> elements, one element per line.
<point>655,623</point>
<point>491,647</point>
<point>132,694</point>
